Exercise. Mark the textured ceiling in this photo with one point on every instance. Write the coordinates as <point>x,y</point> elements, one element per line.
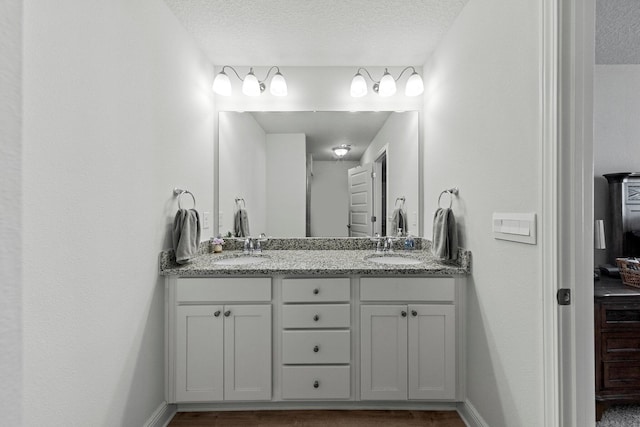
<point>324,130</point>
<point>317,32</point>
<point>618,32</point>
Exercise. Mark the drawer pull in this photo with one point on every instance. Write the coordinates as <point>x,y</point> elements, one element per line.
<point>414,313</point>
<point>403,313</point>
<point>316,291</point>
<point>316,317</point>
<point>227,313</point>
<point>316,384</point>
<point>217,313</point>
<point>316,349</point>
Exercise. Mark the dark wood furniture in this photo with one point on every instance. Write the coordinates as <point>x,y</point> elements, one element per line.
<point>617,343</point>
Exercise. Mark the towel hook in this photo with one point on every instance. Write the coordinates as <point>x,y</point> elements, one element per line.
<point>402,200</point>
<point>244,204</point>
<point>179,192</point>
<point>451,192</point>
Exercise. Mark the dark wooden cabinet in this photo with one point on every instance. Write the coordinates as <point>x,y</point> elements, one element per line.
<point>617,343</point>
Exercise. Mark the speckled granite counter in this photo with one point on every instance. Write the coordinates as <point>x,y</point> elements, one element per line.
<point>316,262</point>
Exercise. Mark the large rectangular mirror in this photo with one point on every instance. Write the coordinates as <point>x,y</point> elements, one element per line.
<point>280,168</point>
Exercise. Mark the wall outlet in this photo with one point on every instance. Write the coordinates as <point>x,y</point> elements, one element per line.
<point>205,220</point>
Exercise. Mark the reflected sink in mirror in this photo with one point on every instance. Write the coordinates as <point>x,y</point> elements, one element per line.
<point>242,260</point>
<point>396,259</point>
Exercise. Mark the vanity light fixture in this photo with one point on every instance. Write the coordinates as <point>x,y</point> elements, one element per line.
<point>341,150</point>
<point>251,86</point>
<point>386,86</point>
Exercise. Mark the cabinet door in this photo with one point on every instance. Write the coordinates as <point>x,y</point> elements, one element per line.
<point>199,371</point>
<point>247,345</point>
<point>383,352</point>
<point>432,352</point>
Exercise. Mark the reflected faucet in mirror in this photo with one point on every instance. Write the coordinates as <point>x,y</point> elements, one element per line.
<point>284,164</point>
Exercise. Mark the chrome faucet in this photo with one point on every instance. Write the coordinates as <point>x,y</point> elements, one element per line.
<point>388,244</point>
<point>252,244</point>
<point>378,241</point>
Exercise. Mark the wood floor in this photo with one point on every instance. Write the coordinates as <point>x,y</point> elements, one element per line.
<point>318,419</point>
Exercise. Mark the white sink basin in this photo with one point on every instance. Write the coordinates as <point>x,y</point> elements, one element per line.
<point>394,259</point>
<point>241,260</point>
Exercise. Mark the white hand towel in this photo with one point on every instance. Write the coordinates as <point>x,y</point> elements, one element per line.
<point>398,221</point>
<point>445,235</point>
<point>241,223</point>
<point>186,235</point>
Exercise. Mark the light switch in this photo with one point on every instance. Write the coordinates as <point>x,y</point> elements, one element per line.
<point>517,227</point>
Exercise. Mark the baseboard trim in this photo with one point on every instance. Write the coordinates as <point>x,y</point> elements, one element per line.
<point>317,405</point>
<point>161,416</point>
<point>470,415</point>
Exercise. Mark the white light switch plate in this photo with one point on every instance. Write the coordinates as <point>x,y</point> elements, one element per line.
<point>516,227</point>
<point>205,220</point>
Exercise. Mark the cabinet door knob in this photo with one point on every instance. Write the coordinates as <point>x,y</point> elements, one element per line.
<point>403,313</point>
<point>316,291</point>
<point>316,384</point>
<point>217,313</point>
<point>227,313</point>
<point>414,313</point>
<point>316,349</point>
<point>316,318</point>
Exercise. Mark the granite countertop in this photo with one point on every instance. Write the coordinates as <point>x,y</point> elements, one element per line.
<point>316,262</point>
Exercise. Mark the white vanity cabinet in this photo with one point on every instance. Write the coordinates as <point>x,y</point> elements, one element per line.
<point>222,340</point>
<point>316,338</point>
<point>408,344</point>
<point>320,341</point>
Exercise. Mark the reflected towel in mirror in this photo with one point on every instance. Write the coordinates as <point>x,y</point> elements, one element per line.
<point>398,221</point>
<point>241,223</point>
<point>186,235</point>
<point>445,235</point>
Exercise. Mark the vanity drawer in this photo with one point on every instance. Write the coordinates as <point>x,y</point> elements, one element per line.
<point>316,382</point>
<point>223,289</point>
<point>316,347</point>
<point>316,290</point>
<point>441,289</point>
<point>316,316</point>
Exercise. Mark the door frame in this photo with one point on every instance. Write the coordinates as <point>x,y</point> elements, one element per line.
<point>567,203</point>
<point>377,195</point>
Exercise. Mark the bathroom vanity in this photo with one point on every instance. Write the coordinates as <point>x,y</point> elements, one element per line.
<point>315,329</point>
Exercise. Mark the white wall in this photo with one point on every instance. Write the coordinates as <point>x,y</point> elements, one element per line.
<point>117,111</point>
<point>330,198</point>
<point>244,144</point>
<point>315,89</point>
<point>482,134</point>
<point>286,185</point>
<point>11,212</point>
<point>616,131</point>
<point>400,133</point>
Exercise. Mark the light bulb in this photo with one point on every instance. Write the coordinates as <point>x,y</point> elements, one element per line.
<point>387,85</point>
<point>414,85</point>
<point>358,86</point>
<point>250,85</point>
<point>222,84</point>
<point>278,85</point>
